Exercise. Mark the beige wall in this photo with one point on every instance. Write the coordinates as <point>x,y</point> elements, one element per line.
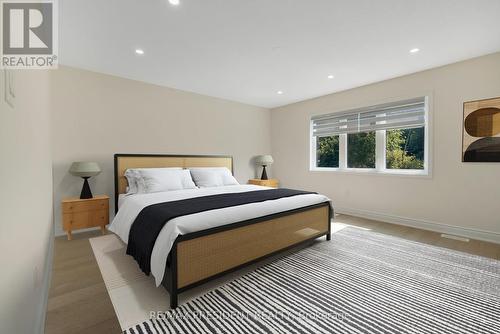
<point>92,116</point>
<point>463,195</point>
<point>95,116</point>
<point>26,203</point>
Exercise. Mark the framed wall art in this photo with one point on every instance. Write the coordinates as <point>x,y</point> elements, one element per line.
<point>481,131</point>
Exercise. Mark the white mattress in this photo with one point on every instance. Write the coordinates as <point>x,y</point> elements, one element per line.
<point>131,205</point>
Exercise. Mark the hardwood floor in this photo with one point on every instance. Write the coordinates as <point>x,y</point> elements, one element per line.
<point>79,302</point>
<point>475,247</point>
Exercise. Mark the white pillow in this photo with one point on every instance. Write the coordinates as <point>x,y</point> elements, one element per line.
<point>164,179</point>
<point>131,176</point>
<point>187,180</point>
<point>135,181</point>
<point>212,177</point>
<point>137,184</point>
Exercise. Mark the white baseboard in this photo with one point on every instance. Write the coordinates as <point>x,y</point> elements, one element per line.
<point>423,224</point>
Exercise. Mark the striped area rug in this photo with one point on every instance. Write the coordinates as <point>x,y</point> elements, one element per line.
<point>359,282</point>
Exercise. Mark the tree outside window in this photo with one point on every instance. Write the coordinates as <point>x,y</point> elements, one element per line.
<point>405,148</point>
<point>327,152</point>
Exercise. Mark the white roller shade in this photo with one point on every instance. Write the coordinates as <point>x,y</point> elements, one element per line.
<point>399,115</point>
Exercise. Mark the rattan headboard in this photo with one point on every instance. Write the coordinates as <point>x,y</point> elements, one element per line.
<point>125,161</point>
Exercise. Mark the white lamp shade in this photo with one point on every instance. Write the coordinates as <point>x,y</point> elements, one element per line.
<point>264,160</point>
<point>84,169</point>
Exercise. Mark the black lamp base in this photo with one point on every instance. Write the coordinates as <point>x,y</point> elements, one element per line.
<point>264,173</point>
<point>86,193</point>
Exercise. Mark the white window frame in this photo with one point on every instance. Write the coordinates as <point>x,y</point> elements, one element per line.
<point>380,152</point>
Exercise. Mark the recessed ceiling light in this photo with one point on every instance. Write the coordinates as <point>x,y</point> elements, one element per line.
<point>415,50</point>
<point>279,92</point>
<point>139,51</point>
<point>174,2</point>
<point>330,76</point>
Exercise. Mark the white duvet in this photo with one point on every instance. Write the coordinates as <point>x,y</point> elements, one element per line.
<point>131,205</point>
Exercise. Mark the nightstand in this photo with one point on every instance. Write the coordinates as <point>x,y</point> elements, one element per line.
<point>266,183</point>
<point>84,213</point>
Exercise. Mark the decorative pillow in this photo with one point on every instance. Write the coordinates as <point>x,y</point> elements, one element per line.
<point>141,186</point>
<point>135,180</point>
<point>131,177</point>
<point>164,179</point>
<point>212,177</point>
<point>158,178</point>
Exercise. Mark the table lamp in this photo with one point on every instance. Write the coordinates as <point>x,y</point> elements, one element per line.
<point>85,170</point>
<point>264,160</point>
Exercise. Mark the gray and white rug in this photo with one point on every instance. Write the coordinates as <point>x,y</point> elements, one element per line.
<point>359,282</point>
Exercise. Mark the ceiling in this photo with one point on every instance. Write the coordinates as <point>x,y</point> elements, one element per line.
<point>248,50</point>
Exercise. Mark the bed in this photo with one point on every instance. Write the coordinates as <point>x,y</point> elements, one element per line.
<point>206,246</point>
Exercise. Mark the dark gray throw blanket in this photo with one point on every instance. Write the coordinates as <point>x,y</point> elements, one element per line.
<point>151,219</point>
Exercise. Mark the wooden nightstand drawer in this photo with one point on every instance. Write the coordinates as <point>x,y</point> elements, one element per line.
<point>85,213</point>
<point>90,205</point>
<point>74,221</point>
<point>86,219</point>
<point>100,217</point>
<point>265,183</point>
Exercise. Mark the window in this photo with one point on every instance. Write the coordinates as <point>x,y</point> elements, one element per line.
<point>389,138</point>
<point>405,148</point>
<point>327,152</point>
<point>361,150</point>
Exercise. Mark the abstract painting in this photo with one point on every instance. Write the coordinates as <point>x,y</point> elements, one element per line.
<point>481,132</point>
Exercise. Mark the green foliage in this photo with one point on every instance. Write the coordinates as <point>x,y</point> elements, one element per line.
<point>361,150</point>
<point>328,151</point>
<point>405,149</point>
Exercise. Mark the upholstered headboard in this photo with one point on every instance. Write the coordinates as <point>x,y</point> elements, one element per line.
<point>125,161</point>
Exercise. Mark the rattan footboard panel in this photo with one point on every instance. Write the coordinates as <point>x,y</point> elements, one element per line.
<point>206,256</point>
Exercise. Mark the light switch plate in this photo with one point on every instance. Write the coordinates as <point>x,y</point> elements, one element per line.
<point>9,94</point>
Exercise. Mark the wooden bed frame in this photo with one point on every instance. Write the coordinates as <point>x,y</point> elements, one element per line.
<point>199,257</point>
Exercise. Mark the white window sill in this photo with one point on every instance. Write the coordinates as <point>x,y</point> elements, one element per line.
<point>369,171</point>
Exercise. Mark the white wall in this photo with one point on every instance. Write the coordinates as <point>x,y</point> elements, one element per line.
<point>26,203</point>
<point>95,116</point>
<point>462,195</point>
